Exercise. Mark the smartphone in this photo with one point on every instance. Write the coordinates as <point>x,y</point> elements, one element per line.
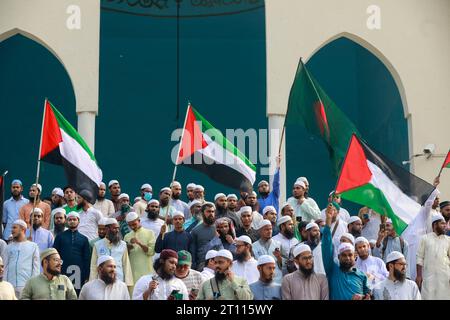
<point>299,219</point>
<point>366,216</point>
<point>382,226</point>
<point>194,291</point>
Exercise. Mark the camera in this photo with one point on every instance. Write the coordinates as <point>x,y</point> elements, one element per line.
<point>429,149</point>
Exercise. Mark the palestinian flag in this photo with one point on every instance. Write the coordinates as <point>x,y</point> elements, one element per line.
<point>310,106</point>
<point>446,163</point>
<point>370,179</point>
<point>205,149</point>
<point>62,145</point>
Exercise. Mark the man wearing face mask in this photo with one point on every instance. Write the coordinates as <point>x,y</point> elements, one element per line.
<point>146,195</point>
<point>105,206</point>
<point>25,210</point>
<point>120,215</point>
<point>176,202</point>
<point>152,221</point>
<point>89,216</point>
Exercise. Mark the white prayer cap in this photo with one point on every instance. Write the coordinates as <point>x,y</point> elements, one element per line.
<point>246,209</point>
<point>177,214</point>
<point>37,186</point>
<point>232,196</point>
<point>245,239</point>
<point>131,216</point>
<point>303,179</point>
<point>389,221</point>
<point>58,192</point>
<point>263,182</point>
<point>1,262</point>
<point>269,208</point>
<point>199,187</point>
<point>345,246</point>
<point>219,195</point>
<point>110,221</point>
<point>124,195</point>
<point>103,259</point>
<point>137,199</point>
<point>59,210</point>
<point>372,241</point>
<point>21,223</point>
<point>264,223</point>
<point>191,186</point>
<point>211,254</point>
<point>73,214</point>
<point>283,219</point>
<point>165,189</point>
<point>300,249</point>
<point>175,183</point>
<point>361,239</point>
<point>194,202</point>
<point>300,183</point>
<point>146,186</point>
<point>102,184</point>
<point>284,205</point>
<point>348,236</point>
<point>102,222</point>
<point>437,217</point>
<point>311,225</point>
<point>38,210</point>
<point>353,219</point>
<point>265,259</point>
<point>153,201</point>
<point>110,183</point>
<point>253,193</point>
<point>225,253</point>
<point>394,255</point>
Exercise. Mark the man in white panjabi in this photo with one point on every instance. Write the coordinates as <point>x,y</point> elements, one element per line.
<point>107,286</point>
<point>245,266</point>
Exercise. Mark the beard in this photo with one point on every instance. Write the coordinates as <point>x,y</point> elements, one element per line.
<point>152,215</point>
<point>208,220</point>
<point>345,265</point>
<point>53,272</point>
<point>356,233</point>
<point>306,272</point>
<point>81,205</point>
<point>219,276</point>
<point>164,202</point>
<point>315,240</point>
<point>400,276</point>
<point>36,226</point>
<point>264,194</point>
<point>114,237</point>
<point>288,234</point>
<point>59,228</point>
<point>99,197</point>
<point>165,275</point>
<point>240,257</point>
<point>108,278</point>
<point>176,196</point>
<point>31,198</point>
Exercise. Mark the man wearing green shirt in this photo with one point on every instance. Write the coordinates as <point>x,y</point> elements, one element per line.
<point>50,285</point>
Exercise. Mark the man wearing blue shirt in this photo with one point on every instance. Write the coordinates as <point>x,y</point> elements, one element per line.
<point>267,197</point>
<point>345,282</point>
<point>11,207</point>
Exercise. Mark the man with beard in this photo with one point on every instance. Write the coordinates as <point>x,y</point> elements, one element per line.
<point>199,193</point>
<point>373,267</point>
<point>42,237</point>
<point>105,206</point>
<point>152,221</point>
<point>175,201</point>
<point>106,286</point>
<point>268,246</point>
<point>345,282</point>
<point>252,201</point>
<point>195,208</point>
<point>190,192</point>
<point>75,251</point>
<point>202,235</point>
<point>354,225</point>
<point>178,239</point>
<point>445,211</point>
<point>6,289</point>
<point>51,284</point>
<point>113,246</point>
<point>246,227</point>
<point>265,288</point>
<point>164,197</point>
<point>101,231</point>
<point>222,211</point>
<point>71,199</point>
<point>396,286</point>
<point>285,237</point>
<point>304,284</point>
<point>114,190</point>
<point>59,221</point>
<point>287,210</point>
<point>225,285</point>
<point>146,195</point>
<point>89,216</point>
<point>12,206</point>
<point>433,268</point>
<point>267,197</point>
<point>57,203</point>
<point>25,210</point>
<point>21,258</point>
<point>245,266</point>
<point>192,279</point>
<point>256,217</point>
<point>304,207</point>
<point>232,202</point>
<point>161,285</point>
<point>224,238</point>
<point>120,215</point>
<point>343,213</point>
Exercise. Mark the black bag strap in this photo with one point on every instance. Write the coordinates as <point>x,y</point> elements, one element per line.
<point>215,288</point>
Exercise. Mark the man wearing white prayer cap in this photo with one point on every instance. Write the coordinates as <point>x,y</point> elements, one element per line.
<point>176,202</point>
<point>6,288</point>
<point>25,212</point>
<point>345,281</point>
<point>247,225</point>
<point>11,207</point>
<point>107,286</point>
<point>245,265</point>
<point>373,267</point>
<point>115,191</point>
<point>178,239</point>
<point>146,194</point>
<point>304,284</point>
<point>190,191</point>
<point>199,193</point>
<point>195,207</point>
<point>304,206</point>
<point>210,265</point>
<point>220,201</point>
<point>165,210</point>
<point>105,206</point>
<point>354,226</point>
<point>433,270</point>
<point>285,237</point>
<point>225,285</point>
<point>265,288</point>
<point>232,201</point>
<point>57,201</point>
<point>396,286</point>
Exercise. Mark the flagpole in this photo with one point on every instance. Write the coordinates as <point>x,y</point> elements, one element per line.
<point>38,169</point>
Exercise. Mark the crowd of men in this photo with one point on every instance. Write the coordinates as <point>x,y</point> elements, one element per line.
<point>85,246</point>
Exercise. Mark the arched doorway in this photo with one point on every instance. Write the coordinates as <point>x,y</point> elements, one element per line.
<point>30,72</point>
<point>369,92</point>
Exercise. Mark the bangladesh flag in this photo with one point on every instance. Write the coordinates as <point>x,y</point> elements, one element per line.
<point>311,107</point>
<point>205,149</point>
<point>62,145</point>
<point>370,179</point>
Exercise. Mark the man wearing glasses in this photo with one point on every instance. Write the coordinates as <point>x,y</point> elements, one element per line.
<point>50,285</point>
